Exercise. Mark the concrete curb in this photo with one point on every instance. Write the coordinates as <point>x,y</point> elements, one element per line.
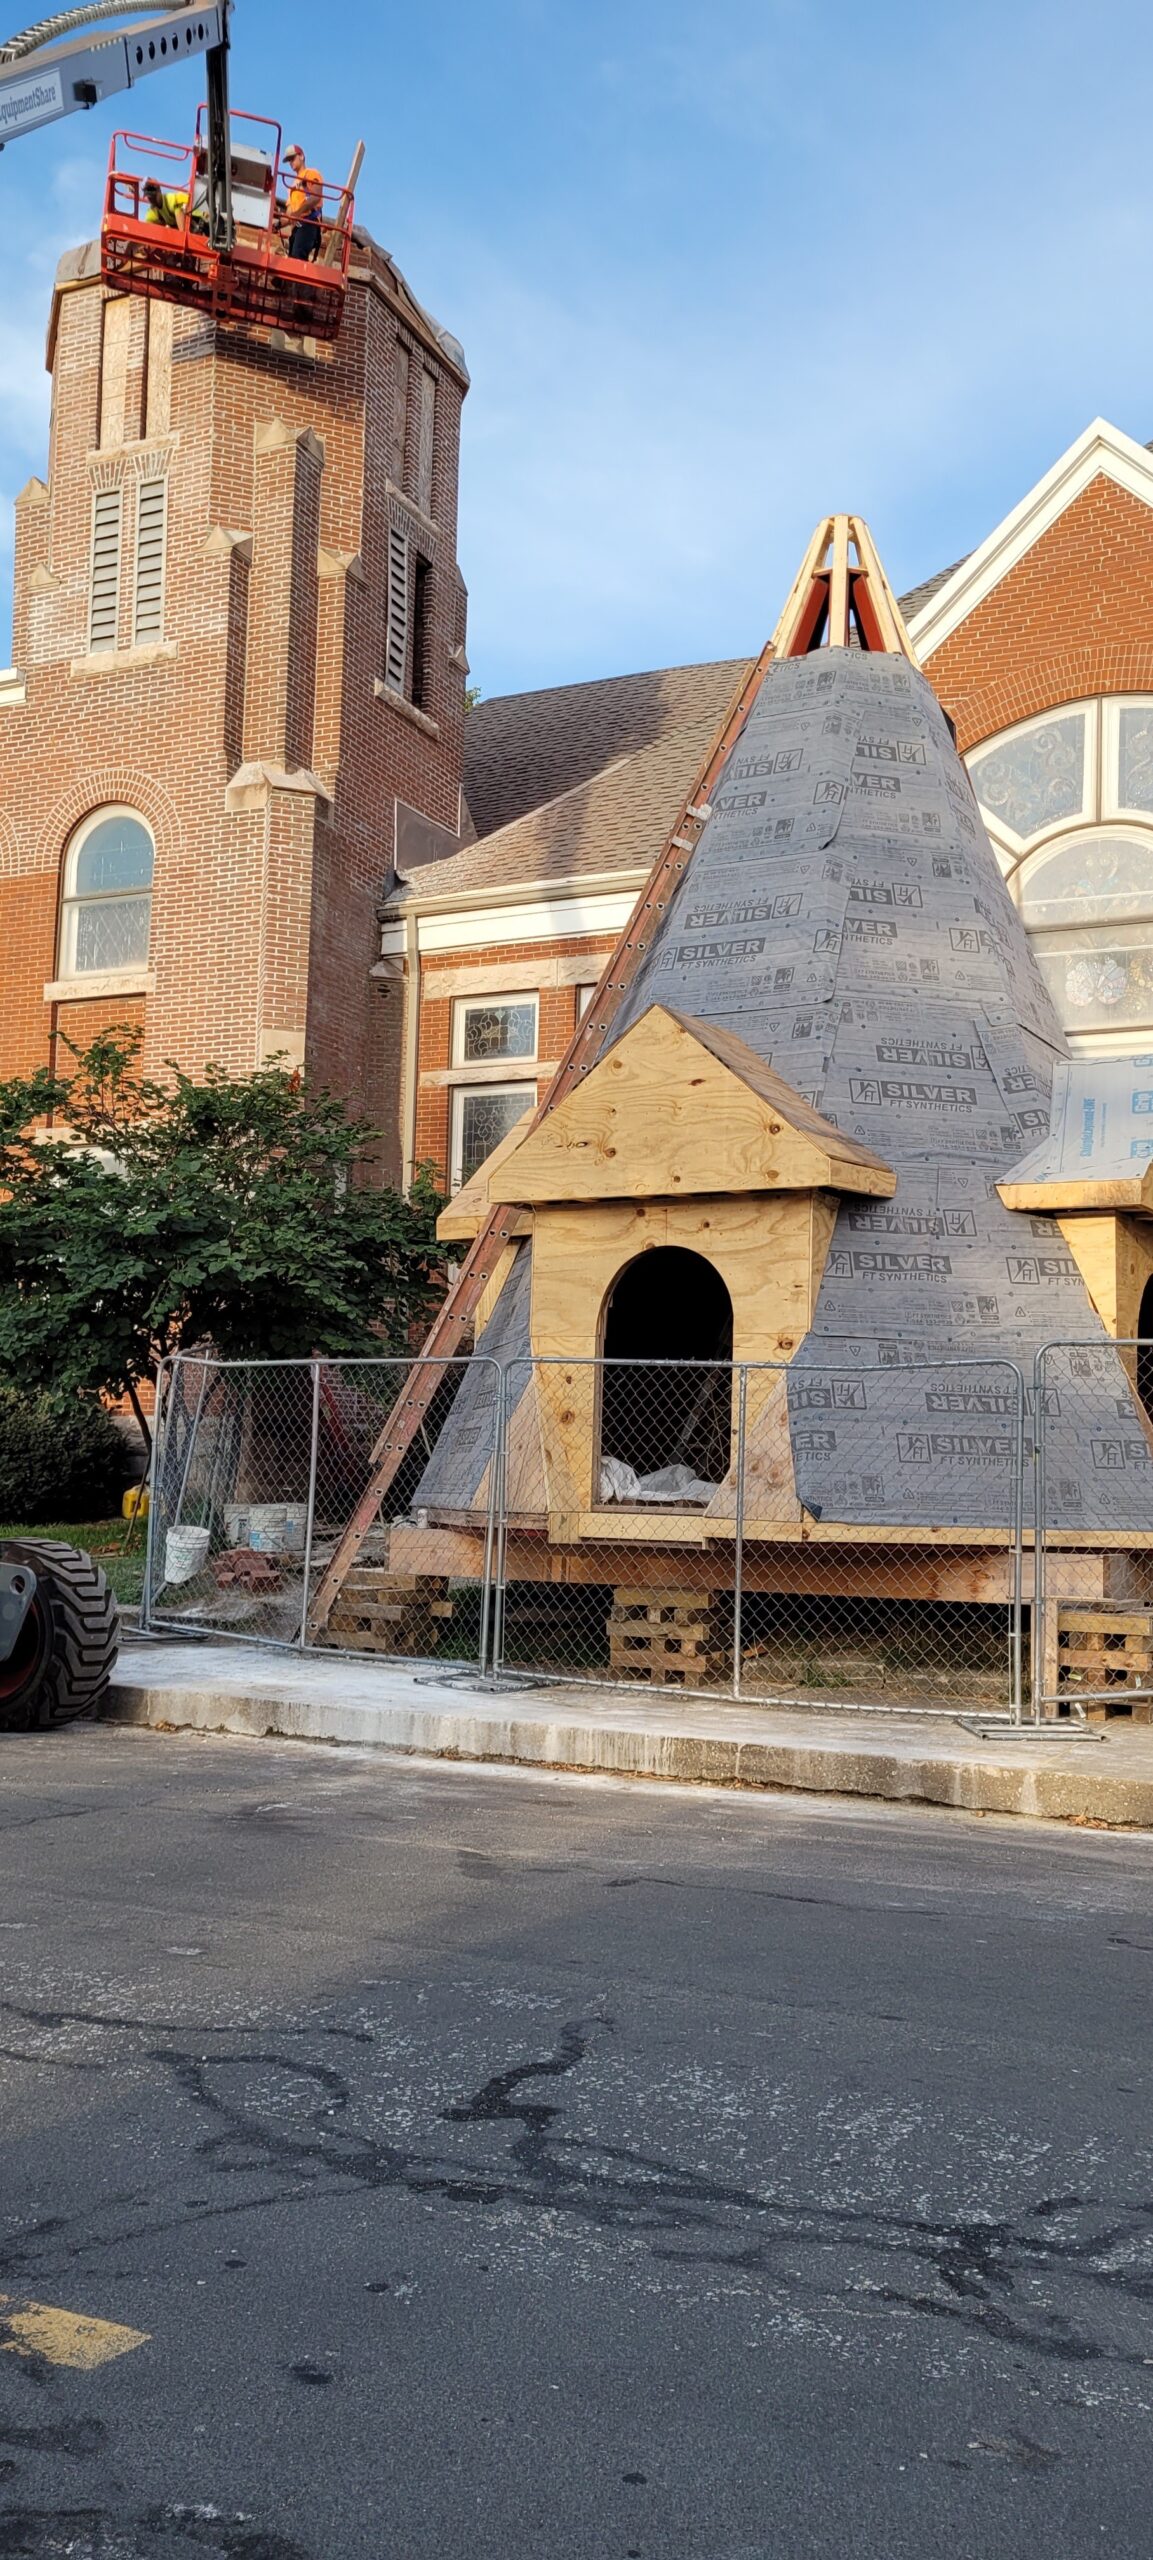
<point>385,1708</point>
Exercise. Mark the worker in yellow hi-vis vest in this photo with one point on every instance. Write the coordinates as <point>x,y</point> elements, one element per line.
<point>165,206</point>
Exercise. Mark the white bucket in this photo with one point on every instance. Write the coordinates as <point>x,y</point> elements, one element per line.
<point>295,1528</point>
<point>185,1551</point>
<point>277,1528</point>
<point>236,1523</point>
<point>266,1527</point>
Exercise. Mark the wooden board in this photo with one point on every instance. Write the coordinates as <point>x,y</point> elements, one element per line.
<point>769,1253</point>
<point>1063,1194</point>
<point>384,1610</point>
<point>676,1110</point>
<point>667,1636</point>
<point>1114,1256</point>
<point>486,1303</point>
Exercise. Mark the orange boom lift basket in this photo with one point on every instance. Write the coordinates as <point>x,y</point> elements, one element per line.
<point>253,282</point>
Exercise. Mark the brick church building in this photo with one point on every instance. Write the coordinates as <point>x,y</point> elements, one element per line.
<point>241,803</point>
<point>238,684</point>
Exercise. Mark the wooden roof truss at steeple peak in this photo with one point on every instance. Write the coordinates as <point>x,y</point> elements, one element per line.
<point>841,598</point>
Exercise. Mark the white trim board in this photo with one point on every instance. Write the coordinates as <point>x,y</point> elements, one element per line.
<point>539,920</point>
<point>1102,451</point>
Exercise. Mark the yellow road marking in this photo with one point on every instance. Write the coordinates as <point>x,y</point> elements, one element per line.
<point>63,2337</point>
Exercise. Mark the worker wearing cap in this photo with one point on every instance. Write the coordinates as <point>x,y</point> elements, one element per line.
<point>304,202</point>
<point>167,207</point>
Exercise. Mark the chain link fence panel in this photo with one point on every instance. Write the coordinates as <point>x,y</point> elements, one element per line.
<point>420,1586</point>
<point>652,1530</point>
<point>258,1468</point>
<point>1091,1619</point>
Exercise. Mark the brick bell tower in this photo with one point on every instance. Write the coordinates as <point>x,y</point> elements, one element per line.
<point>238,680</point>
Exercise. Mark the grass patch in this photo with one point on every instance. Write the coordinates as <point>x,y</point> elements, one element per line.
<point>102,1539</point>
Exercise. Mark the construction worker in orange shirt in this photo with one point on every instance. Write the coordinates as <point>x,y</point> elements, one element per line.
<point>305,196</point>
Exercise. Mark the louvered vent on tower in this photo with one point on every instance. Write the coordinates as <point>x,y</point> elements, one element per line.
<point>151,517</point>
<point>104,588</point>
<point>396,646</point>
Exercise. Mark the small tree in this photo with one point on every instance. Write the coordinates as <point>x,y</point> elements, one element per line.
<point>145,1218</point>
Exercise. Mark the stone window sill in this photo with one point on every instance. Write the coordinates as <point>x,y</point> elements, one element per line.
<point>100,982</point>
<point>13,690</point>
<point>112,662</point>
<point>408,710</point>
<point>489,1071</point>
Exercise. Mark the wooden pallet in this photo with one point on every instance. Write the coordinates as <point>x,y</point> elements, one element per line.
<point>1107,1649</point>
<point>382,1612</point>
<point>671,1639</point>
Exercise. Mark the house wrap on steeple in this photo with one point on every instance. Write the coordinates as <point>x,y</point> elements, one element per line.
<point>843,925</point>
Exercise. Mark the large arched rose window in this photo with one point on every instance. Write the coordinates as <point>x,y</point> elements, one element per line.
<point>1068,802</point>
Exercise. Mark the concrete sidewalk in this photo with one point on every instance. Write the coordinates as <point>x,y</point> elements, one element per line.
<point>1103,1776</point>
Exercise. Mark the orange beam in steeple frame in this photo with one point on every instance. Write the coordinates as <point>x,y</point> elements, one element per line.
<point>841,597</point>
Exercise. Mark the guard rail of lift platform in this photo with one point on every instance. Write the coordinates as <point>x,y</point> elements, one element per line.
<point>248,279</point>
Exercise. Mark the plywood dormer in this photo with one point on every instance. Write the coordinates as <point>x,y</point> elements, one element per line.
<point>677,1109</point>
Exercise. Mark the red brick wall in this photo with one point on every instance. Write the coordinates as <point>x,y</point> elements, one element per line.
<point>1072,618</point>
<point>520,966</point>
<point>279,504</point>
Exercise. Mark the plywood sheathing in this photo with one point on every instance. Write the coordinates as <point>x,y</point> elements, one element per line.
<point>681,1107</point>
<point>465,1213</point>
<point>770,1253</point>
<point>1114,1256</point>
<point>831,1562</point>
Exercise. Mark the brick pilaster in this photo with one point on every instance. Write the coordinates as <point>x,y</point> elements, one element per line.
<point>280,688</point>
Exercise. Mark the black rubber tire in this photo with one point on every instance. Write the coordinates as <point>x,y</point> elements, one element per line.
<point>66,1650</point>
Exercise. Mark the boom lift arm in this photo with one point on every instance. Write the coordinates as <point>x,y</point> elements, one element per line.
<point>55,68</point>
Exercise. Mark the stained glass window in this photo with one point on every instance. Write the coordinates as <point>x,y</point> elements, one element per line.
<point>1099,980</point>
<point>1135,756</point>
<point>481,1118</point>
<point>1086,878</point>
<point>1036,776</point>
<point>1088,908</point>
<point>1086,894</point>
<point>505,1027</point>
<point>107,910</point>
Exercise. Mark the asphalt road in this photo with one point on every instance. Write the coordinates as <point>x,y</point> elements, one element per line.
<point>492,2165</point>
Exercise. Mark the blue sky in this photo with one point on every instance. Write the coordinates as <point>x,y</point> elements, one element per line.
<point>717,269</point>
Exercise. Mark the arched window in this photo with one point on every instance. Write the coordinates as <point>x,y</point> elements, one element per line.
<point>1068,801</point>
<point>107,907</point>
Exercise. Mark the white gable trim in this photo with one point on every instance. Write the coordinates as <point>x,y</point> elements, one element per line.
<point>543,919</point>
<point>1102,449</point>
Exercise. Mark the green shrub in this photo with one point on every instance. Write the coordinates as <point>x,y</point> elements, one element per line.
<point>58,1463</point>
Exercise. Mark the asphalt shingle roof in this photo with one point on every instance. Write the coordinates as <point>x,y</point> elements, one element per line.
<point>917,597</point>
<point>579,779</point>
<point>632,746</point>
<point>522,749</point>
